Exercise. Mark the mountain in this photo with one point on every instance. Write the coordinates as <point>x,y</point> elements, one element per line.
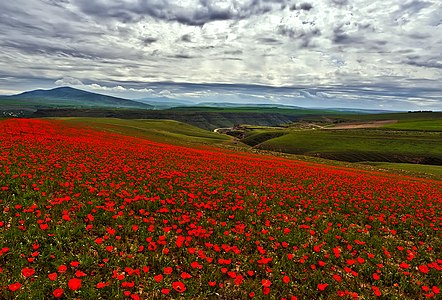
<point>68,97</point>
<point>164,102</point>
<point>253,105</point>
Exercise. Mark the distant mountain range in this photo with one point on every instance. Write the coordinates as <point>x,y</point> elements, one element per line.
<point>164,102</point>
<point>68,97</point>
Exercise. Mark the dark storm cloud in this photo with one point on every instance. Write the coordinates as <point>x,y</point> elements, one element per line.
<point>182,56</point>
<point>303,6</point>
<point>269,41</point>
<point>339,2</point>
<point>340,36</point>
<point>304,35</point>
<point>432,63</point>
<point>233,52</point>
<point>199,13</point>
<point>186,38</point>
<point>149,40</point>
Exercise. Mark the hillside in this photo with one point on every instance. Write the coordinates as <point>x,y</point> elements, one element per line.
<point>67,97</point>
<point>208,120</point>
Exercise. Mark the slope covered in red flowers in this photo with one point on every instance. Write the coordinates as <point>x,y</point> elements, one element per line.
<point>88,214</point>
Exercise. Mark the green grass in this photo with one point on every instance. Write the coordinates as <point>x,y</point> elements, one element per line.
<point>360,145</point>
<point>413,169</point>
<point>167,131</point>
<point>403,116</point>
<point>273,110</point>
<point>423,124</point>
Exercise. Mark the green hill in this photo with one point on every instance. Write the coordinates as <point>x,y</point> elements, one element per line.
<point>67,97</point>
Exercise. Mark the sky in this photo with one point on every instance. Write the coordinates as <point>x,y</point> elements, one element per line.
<point>314,53</point>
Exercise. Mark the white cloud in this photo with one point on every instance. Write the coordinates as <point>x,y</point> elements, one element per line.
<point>280,43</point>
<point>68,81</point>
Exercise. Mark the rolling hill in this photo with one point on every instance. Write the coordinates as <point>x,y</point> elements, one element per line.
<point>67,97</point>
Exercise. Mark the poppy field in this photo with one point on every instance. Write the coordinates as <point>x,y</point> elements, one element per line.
<point>93,215</point>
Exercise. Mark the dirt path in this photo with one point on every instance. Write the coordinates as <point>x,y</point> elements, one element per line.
<point>372,124</point>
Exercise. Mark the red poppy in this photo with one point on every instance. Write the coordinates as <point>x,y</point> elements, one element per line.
<point>158,278</point>
<point>266,290</point>
<point>165,291</point>
<point>62,269</point>
<point>75,264</point>
<point>14,286</point>
<point>52,276</point>
<point>58,292</point>
<point>337,277</point>
<point>322,286</point>
<point>423,268</point>
<point>74,284</point>
<point>179,286</point>
<point>376,291</point>
<point>238,280</point>
<point>79,273</point>
<point>212,283</point>
<point>266,282</point>
<point>28,272</point>
<point>404,265</point>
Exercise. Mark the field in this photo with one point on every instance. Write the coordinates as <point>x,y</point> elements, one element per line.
<point>358,145</point>
<point>168,131</point>
<point>426,125</point>
<point>392,138</point>
<point>90,214</point>
<point>412,168</point>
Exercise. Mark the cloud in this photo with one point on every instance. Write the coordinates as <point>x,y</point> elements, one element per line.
<point>432,63</point>
<point>68,81</point>
<point>190,12</point>
<point>309,44</point>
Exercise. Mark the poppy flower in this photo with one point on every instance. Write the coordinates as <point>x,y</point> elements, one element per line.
<point>337,277</point>
<point>158,277</point>
<point>266,282</point>
<point>423,269</point>
<point>178,286</point>
<point>62,269</point>
<point>238,280</point>
<point>322,286</point>
<point>165,291</point>
<point>266,290</point>
<point>376,291</point>
<point>52,276</point>
<point>75,264</point>
<point>58,293</point>
<point>28,272</point>
<point>14,286</point>
<point>211,283</point>
<point>74,284</point>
